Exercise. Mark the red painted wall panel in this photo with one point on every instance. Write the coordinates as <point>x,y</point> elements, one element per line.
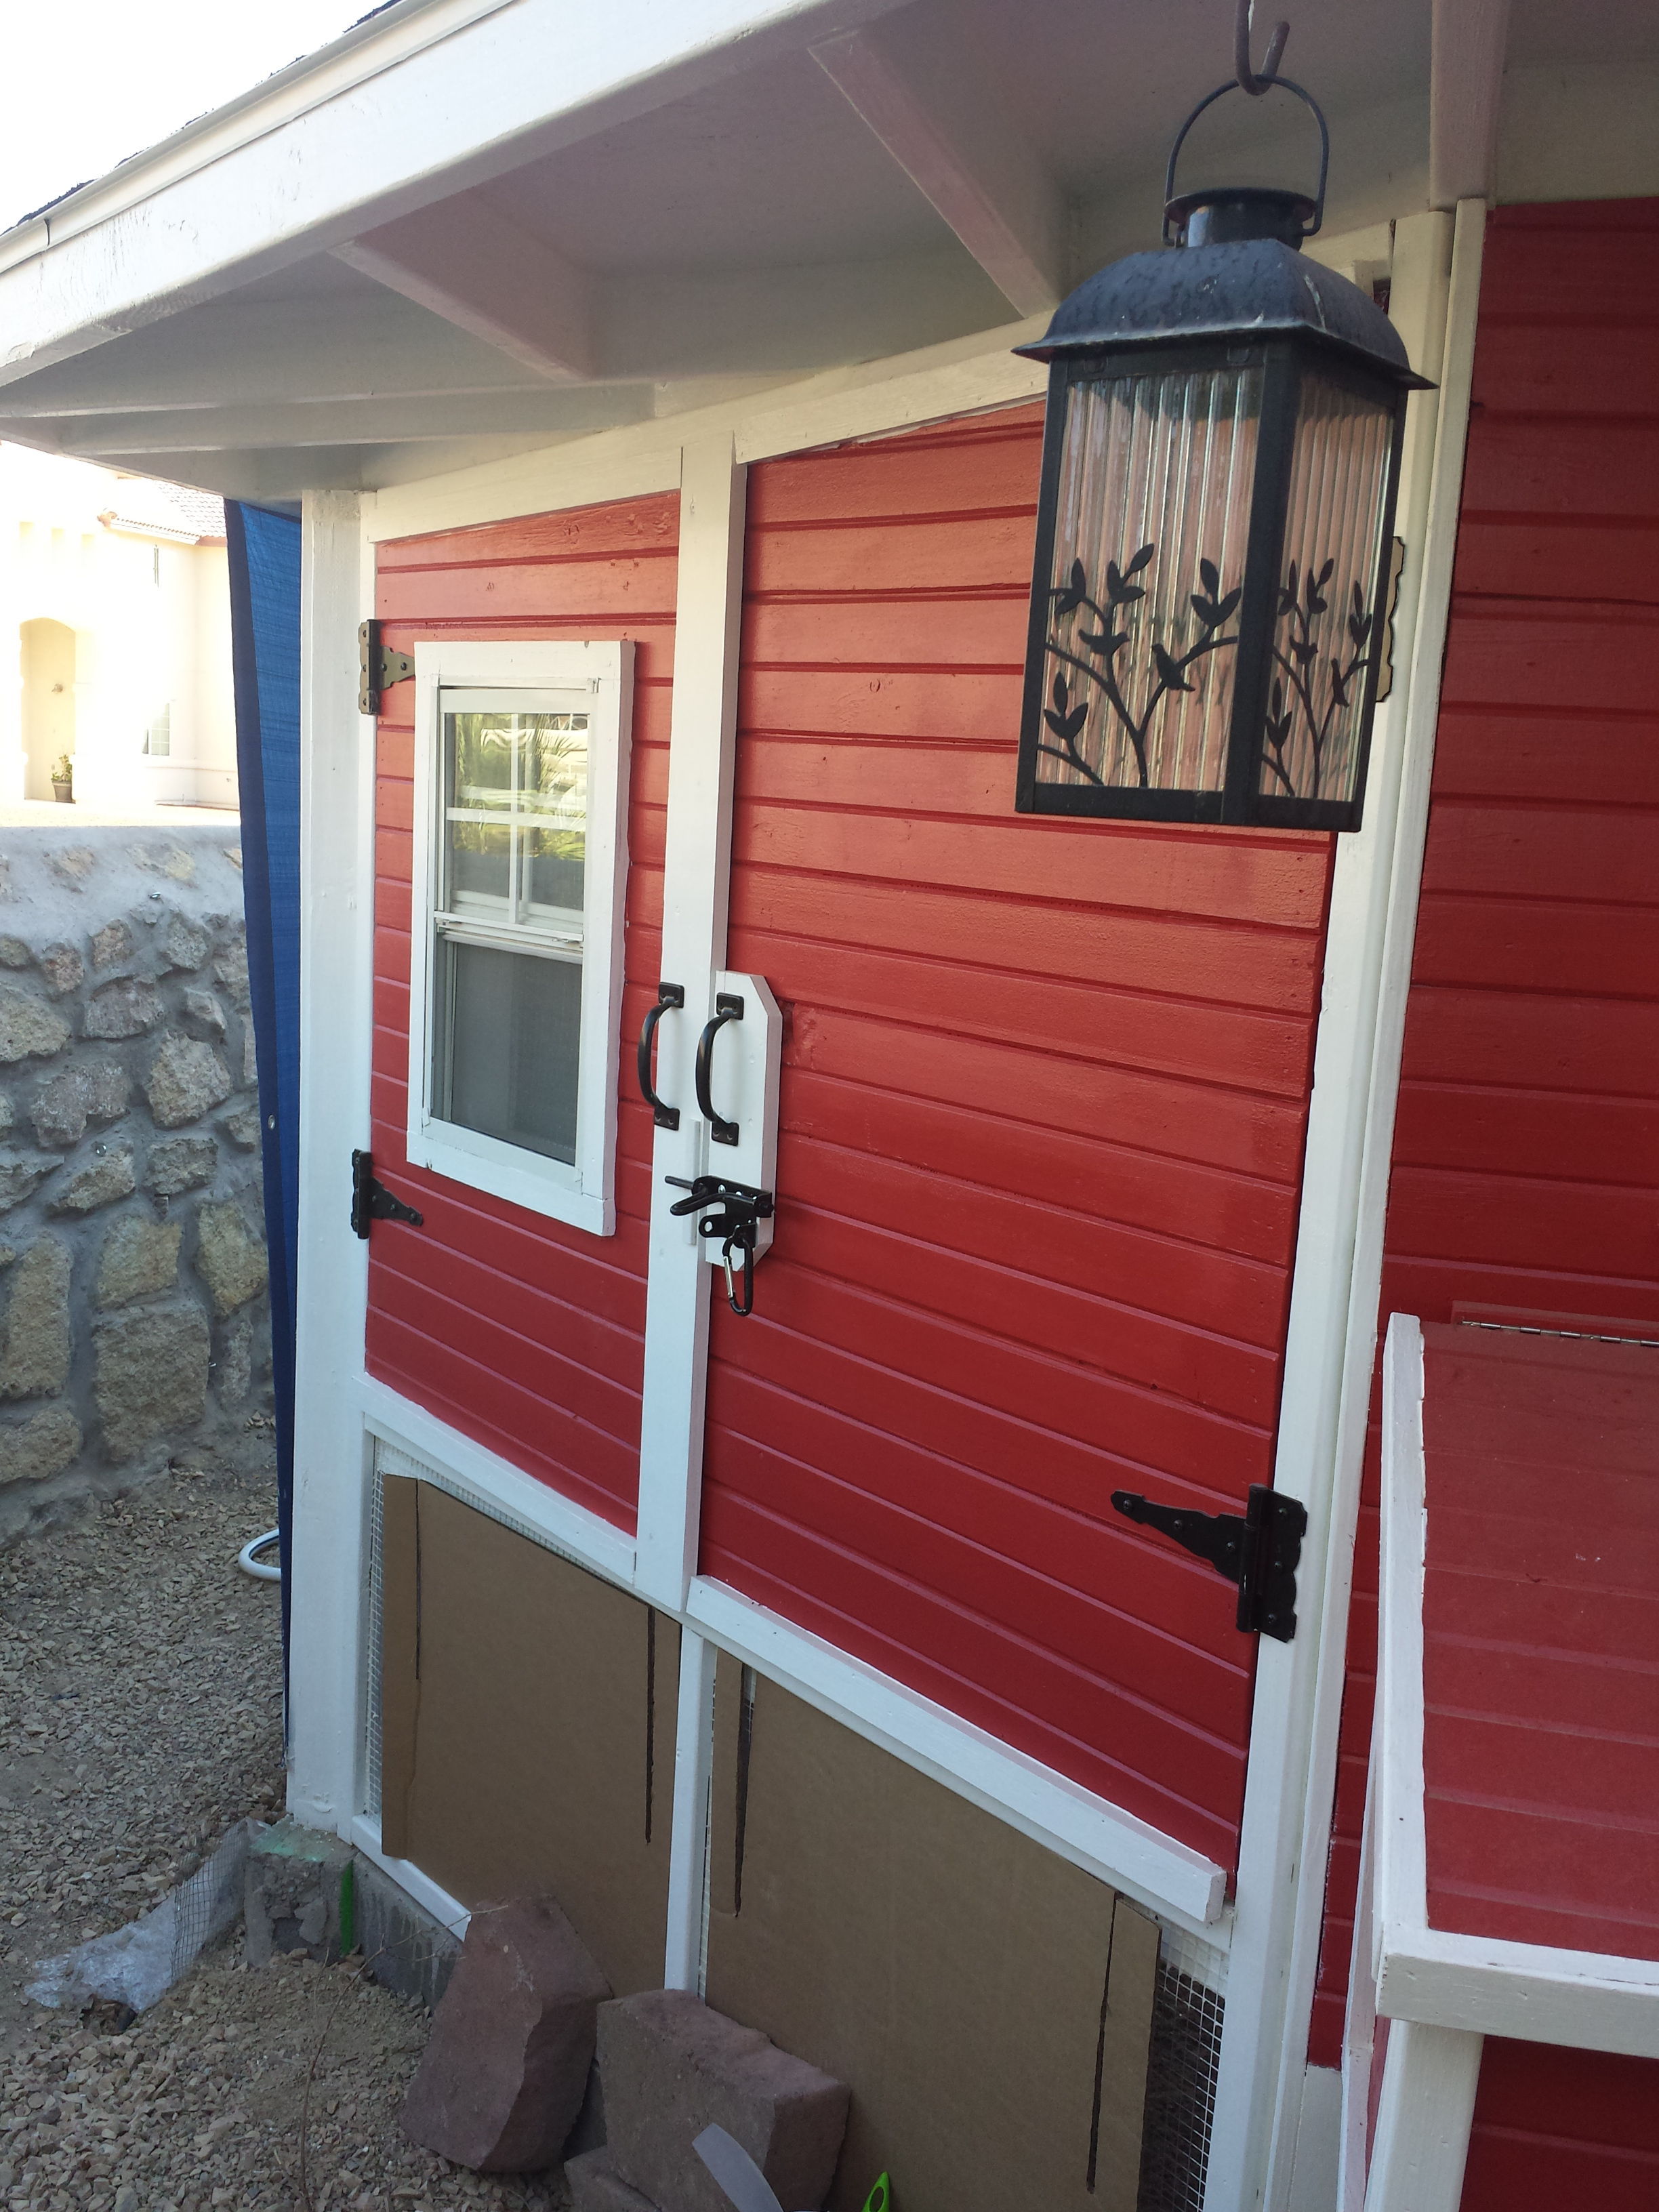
<point>526,1335</point>
<point>1043,1110</point>
<point>1558,2129</point>
<point>1527,1146</point>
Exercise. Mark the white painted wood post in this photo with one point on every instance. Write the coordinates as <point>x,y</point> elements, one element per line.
<point>1331,1337</point>
<point>337,875</point>
<point>688,1850</point>
<point>1430,2075</point>
<point>696,872</point>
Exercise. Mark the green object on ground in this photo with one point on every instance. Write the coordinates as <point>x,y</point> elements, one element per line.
<point>880,2198</point>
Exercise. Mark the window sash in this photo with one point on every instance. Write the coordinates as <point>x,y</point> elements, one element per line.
<point>589,680</point>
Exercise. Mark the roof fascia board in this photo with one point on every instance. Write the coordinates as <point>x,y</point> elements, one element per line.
<point>465,106</point>
<point>364,51</point>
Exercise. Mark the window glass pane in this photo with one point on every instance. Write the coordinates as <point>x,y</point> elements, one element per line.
<point>1152,519</point>
<point>479,749</point>
<point>516,816</point>
<point>554,869</point>
<point>480,866</point>
<point>508,1045</point>
<point>554,795</point>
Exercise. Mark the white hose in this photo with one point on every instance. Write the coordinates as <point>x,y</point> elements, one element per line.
<point>251,1565</point>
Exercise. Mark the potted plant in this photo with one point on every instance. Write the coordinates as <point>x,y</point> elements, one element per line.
<point>63,779</point>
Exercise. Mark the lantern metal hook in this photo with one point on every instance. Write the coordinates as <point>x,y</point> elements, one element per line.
<point>1248,79</point>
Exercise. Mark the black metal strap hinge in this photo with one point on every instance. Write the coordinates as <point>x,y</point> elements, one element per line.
<point>373,1201</point>
<point>1259,1549</point>
<point>377,669</point>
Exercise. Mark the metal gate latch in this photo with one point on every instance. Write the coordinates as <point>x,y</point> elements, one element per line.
<point>740,1211</point>
<point>1259,1550</point>
<point>373,1201</point>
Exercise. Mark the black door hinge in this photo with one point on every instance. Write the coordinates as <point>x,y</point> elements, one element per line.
<point>373,1201</point>
<point>377,669</point>
<point>1259,1549</point>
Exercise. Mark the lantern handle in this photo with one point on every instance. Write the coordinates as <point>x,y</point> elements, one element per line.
<point>1249,81</point>
<point>1237,84</point>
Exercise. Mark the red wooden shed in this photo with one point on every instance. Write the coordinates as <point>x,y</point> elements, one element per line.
<point>646,380</point>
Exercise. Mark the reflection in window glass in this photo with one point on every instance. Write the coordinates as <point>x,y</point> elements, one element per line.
<point>508,1033</point>
<point>515,817</point>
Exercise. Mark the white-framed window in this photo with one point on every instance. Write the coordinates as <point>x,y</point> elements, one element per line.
<point>516,934</point>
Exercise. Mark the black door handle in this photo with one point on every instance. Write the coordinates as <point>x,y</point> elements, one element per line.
<point>668,995</point>
<point>728,1008</point>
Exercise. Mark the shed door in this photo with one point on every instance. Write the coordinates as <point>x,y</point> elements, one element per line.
<point>1044,1095</point>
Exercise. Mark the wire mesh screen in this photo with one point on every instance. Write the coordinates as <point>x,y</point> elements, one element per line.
<point>1181,2075</point>
<point>370,1791</point>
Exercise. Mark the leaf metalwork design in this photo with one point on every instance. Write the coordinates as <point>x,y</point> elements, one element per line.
<point>1312,665</point>
<point>1103,644</point>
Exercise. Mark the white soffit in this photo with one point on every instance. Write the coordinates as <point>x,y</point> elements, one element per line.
<point>507,224</point>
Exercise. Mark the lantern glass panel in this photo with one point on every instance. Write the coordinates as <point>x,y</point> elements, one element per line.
<point>1329,626</point>
<point>1152,519</point>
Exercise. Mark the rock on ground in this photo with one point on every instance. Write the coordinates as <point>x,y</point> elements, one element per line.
<point>139,1716</point>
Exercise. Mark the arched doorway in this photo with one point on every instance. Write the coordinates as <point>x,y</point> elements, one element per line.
<point>48,669</point>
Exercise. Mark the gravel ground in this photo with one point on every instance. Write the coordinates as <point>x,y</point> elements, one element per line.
<point>139,1717</point>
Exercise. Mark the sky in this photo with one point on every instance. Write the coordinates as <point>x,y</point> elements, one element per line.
<point>89,81</point>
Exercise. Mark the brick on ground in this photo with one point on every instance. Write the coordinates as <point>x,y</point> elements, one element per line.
<point>506,2070</point>
<point>671,2065</point>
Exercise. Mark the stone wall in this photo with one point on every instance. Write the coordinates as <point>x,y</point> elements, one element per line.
<point>134,1319</point>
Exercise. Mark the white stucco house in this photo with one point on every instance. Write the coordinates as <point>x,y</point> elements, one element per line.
<point>115,620</point>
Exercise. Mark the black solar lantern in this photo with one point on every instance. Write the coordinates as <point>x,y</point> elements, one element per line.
<point>1214,551</point>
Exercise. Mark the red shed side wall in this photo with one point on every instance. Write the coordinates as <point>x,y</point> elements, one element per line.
<point>1527,1149</point>
<point>1044,1107</point>
<point>1563,2131</point>
<point>1044,1104</point>
<point>526,1335</point>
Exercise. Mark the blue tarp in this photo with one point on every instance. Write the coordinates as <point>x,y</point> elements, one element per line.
<point>264,641</point>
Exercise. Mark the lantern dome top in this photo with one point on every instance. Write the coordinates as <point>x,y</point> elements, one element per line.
<point>1242,292</point>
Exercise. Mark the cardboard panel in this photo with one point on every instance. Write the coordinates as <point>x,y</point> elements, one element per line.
<point>400,1655</point>
<point>990,2004</point>
<point>543,1735</point>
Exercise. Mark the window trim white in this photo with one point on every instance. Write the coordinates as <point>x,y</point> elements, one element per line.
<point>581,1195</point>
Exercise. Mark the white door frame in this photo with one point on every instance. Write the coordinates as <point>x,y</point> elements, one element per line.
<point>336,1014</point>
<point>1331,1342</point>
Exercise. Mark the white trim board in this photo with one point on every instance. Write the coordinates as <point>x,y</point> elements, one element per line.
<point>1291,1781</point>
<point>337,863</point>
<point>1167,1877</point>
<point>963,376</point>
<point>1535,1992</point>
<point>365,1833</point>
<point>1430,2077</point>
<point>482,1478</point>
<point>696,871</point>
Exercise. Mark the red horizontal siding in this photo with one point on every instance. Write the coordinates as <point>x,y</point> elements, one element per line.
<point>1558,2129</point>
<point>1541,1734</point>
<point>1526,1145</point>
<point>1043,1110</point>
<point>526,1335</point>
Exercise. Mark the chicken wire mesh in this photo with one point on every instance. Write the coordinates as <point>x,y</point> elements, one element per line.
<point>1185,2050</point>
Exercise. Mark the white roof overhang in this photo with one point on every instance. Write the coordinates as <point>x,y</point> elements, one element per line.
<point>472,227</point>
